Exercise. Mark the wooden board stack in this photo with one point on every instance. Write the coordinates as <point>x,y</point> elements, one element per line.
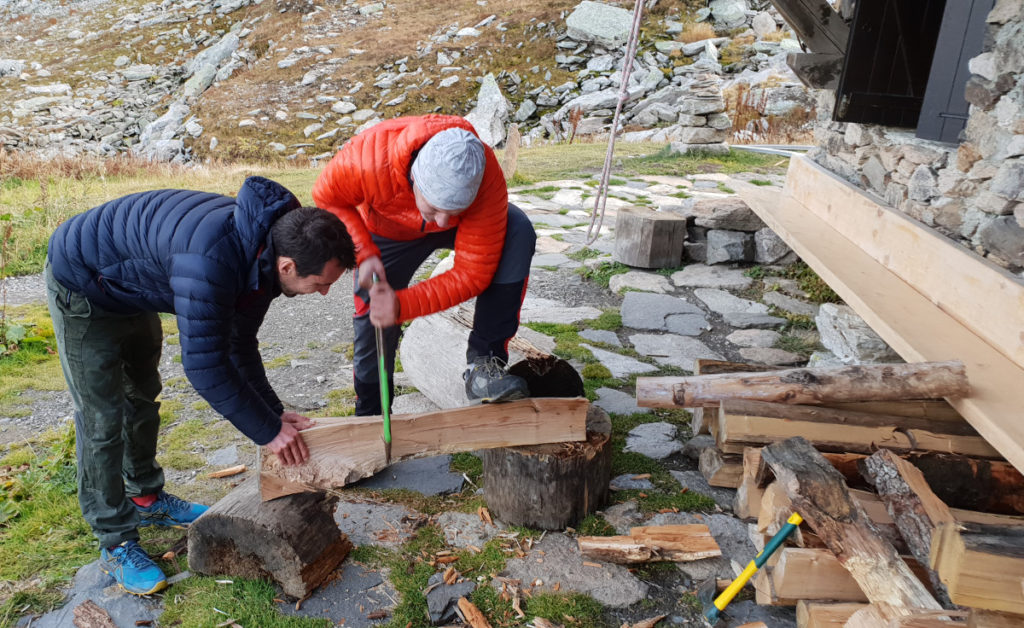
<point>910,517</point>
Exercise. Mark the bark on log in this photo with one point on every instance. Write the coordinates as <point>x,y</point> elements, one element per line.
<point>811,386</point>
<point>551,486</point>
<point>702,419</point>
<point>343,450</point>
<point>88,614</point>
<point>913,506</point>
<point>820,495</point>
<point>293,540</point>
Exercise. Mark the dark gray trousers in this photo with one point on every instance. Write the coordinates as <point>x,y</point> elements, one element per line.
<point>110,364</point>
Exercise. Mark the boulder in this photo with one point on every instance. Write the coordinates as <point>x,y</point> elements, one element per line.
<point>845,334</point>
<point>214,55</point>
<point>490,116</point>
<point>729,14</point>
<point>729,213</point>
<point>600,23</point>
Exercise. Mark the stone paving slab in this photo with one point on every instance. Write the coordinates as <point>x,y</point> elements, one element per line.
<point>549,259</point>
<point>754,338</point>
<point>557,560</point>
<point>601,335</point>
<point>428,476</point>
<point>91,583</point>
<point>628,481</point>
<point>654,440</point>
<point>539,310</point>
<point>702,276</point>
<point>368,522</point>
<point>694,481</point>
<point>462,529</point>
<point>775,357</point>
<point>725,303</point>
<point>742,320</point>
<point>680,351</point>
<point>790,304</point>
<point>621,366</point>
<point>617,402</point>
<point>640,280</point>
<point>642,310</point>
<point>547,244</point>
<point>349,599</point>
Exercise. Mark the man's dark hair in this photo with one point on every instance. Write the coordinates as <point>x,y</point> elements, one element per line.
<point>312,237</point>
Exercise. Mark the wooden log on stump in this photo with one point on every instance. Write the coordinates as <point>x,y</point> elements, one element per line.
<point>648,238</point>
<point>820,495</point>
<point>551,486</point>
<point>293,540</point>
<point>811,386</point>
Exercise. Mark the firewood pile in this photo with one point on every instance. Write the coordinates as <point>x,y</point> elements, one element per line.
<point>910,517</point>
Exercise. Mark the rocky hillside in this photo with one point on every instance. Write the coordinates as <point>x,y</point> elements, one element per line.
<point>259,79</point>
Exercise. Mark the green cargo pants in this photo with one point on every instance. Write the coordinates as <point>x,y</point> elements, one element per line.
<point>110,363</point>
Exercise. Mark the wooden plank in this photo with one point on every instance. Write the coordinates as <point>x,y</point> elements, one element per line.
<point>814,574</point>
<point>912,324</point>
<point>743,423</point>
<point>343,450</point>
<point>883,615</point>
<point>824,615</point>
<point>677,543</point>
<point>980,618</point>
<point>820,495</point>
<point>982,297</point>
<point>811,386</point>
<point>816,23</point>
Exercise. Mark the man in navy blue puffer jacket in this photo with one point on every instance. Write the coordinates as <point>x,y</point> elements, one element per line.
<point>216,262</point>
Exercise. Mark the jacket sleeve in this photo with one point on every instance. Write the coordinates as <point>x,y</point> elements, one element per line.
<point>204,292</point>
<point>479,242</point>
<point>339,190</point>
<point>245,352</point>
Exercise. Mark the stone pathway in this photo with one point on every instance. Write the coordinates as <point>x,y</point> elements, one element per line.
<point>668,320</point>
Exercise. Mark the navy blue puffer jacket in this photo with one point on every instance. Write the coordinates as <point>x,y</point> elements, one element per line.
<point>207,258</point>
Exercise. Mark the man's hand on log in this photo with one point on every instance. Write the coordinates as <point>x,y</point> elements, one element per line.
<point>298,421</point>
<point>288,444</point>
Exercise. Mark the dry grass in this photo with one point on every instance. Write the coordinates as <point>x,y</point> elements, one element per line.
<point>696,31</point>
<point>777,35</point>
<point>25,166</point>
<point>750,126</point>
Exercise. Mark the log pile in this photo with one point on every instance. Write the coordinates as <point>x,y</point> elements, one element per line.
<point>910,517</point>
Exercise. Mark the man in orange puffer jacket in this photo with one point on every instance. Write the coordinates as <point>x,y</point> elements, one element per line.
<point>405,188</point>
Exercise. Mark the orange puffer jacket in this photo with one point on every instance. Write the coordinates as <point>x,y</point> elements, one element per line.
<point>367,185</point>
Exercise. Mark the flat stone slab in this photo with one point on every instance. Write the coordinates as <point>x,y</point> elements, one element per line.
<point>628,481</point>
<point>696,445</point>
<point>91,583</point>
<point>462,529</point>
<point>790,304</point>
<point>551,219</point>
<point>368,522</point>
<point>754,338</point>
<point>623,516</point>
<point>413,403</point>
<point>539,310</point>
<point>694,481</point>
<point>223,457</point>
<point>731,535</point>
<point>775,357</point>
<point>741,320</point>
<point>547,245</point>
<point>601,335</point>
<point>550,259</point>
<point>348,600</point>
<point>723,302</point>
<point>654,440</point>
<point>639,280</point>
<point>561,563</point>
<point>617,402</point>
<point>662,313</point>
<point>672,350</point>
<point>701,276</point>
<point>621,366</point>
<point>429,476</point>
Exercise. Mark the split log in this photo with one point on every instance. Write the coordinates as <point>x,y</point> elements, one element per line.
<point>811,386</point>
<point>748,495</point>
<point>932,409</point>
<point>743,423</point>
<point>883,615</point>
<point>913,506</point>
<point>981,565</point>
<point>721,470</point>
<point>703,419</point>
<point>472,614</point>
<point>814,574</point>
<point>820,495</point>
<point>980,618</point>
<point>648,238</point>
<point>824,615</point>
<point>677,543</point>
<point>88,614</point>
<point>345,449</point>
<point>764,589</point>
<point>551,486</point>
<point>293,540</point>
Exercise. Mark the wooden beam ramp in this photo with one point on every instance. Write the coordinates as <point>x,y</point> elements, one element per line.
<point>343,450</point>
<point>929,298</point>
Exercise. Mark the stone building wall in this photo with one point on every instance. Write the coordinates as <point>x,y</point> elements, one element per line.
<point>972,193</point>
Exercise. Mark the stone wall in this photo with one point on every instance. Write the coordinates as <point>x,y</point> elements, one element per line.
<point>972,193</point>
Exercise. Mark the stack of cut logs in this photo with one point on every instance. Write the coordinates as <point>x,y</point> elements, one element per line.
<point>910,517</point>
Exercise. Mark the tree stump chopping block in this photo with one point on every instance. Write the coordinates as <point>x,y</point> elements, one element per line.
<point>551,486</point>
<point>293,540</point>
<point>648,238</point>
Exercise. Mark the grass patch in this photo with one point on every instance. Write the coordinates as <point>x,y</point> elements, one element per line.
<point>584,254</point>
<point>472,466</point>
<point>735,161</point>
<point>169,410</point>
<point>45,538</point>
<point>596,370</point>
<point>603,272</point>
<point>33,364</point>
<point>817,290</point>
<point>567,340</point>
<point>180,443</point>
<point>197,600</point>
<point>595,525</point>
<point>609,320</point>
<point>340,402</point>
<point>761,182</point>
<point>799,343</point>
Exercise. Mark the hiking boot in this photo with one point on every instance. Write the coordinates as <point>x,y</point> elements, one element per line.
<point>170,511</point>
<point>488,382</point>
<point>132,568</point>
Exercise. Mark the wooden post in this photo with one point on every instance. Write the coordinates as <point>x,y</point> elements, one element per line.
<point>293,540</point>
<point>812,386</point>
<point>648,238</point>
<point>820,495</point>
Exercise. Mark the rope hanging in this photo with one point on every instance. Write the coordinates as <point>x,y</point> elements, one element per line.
<point>597,216</point>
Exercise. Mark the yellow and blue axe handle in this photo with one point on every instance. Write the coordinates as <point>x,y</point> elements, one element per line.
<point>773,544</point>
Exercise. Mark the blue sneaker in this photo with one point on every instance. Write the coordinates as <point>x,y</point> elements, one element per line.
<point>170,511</point>
<point>132,568</point>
